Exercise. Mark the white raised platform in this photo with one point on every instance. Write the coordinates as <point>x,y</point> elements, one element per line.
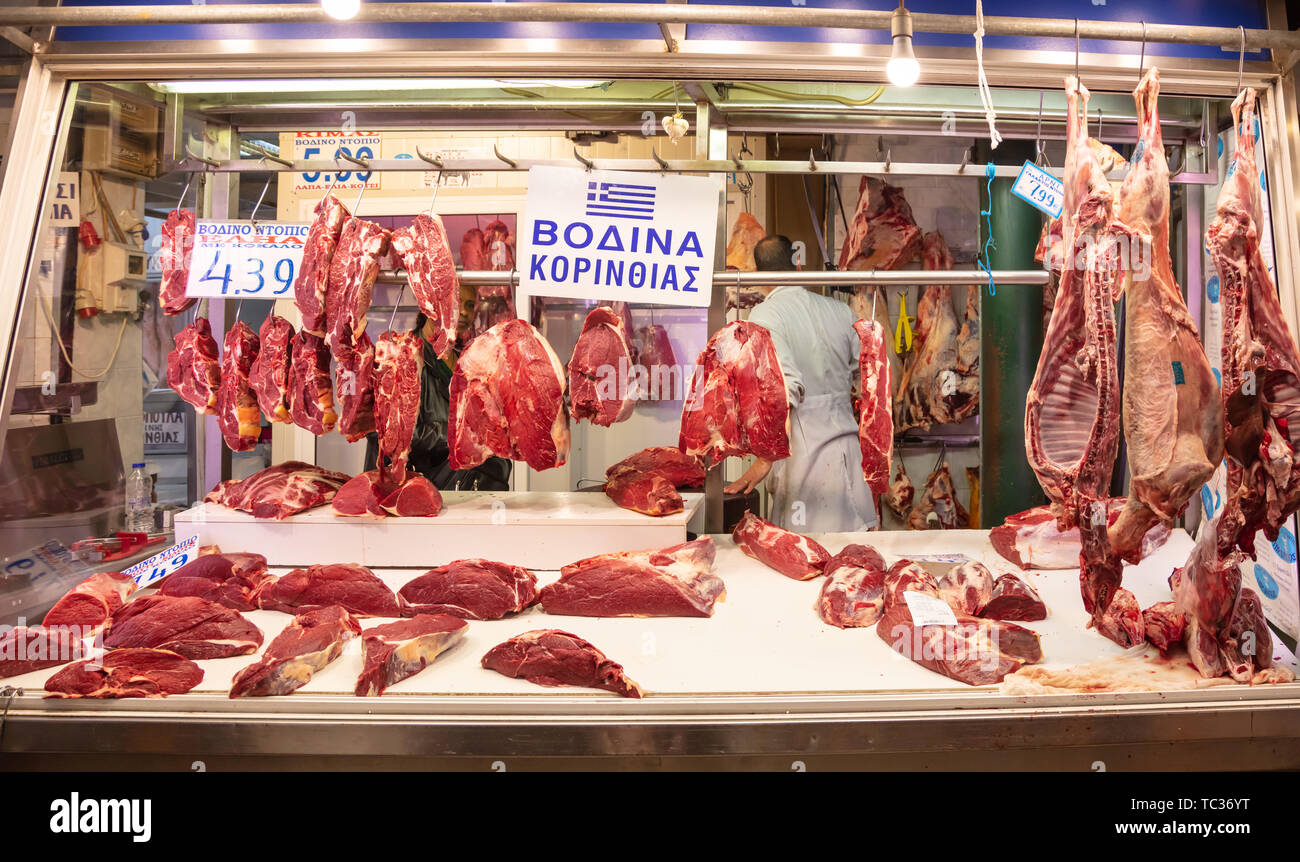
<point>534,529</point>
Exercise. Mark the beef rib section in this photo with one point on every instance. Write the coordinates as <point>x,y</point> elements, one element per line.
<point>737,403</point>
<point>193,369</point>
<point>126,673</point>
<point>280,490</point>
<point>551,657</point>
<point>599,370</point>
<point>238,415</point>
<point>312,640</point>
<point>310,287</point>
<point>674,582</point>
<point>474,589</point>
<point>353,587</point>
<point>269,375</point>
<point>394,651</point>
<point>791,554</point>
<point>507,399</point>
<point>189,626</point>
<point>876,424</point>
<point>431,272</point>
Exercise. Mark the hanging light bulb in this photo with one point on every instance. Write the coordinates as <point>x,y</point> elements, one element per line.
<point>341,10</point>
<point>902,69</point>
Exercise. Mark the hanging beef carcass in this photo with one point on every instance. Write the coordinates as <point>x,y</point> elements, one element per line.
<point>193,369</point>
<point>175,252</point>
<point>737,403</point>
<point>1173,414</point>
<point>310,286</point>
<point>883,234</point>
<point>500,245</point>
<point>238,415</point>
<point>876,426</point>
<point>399,359</point>
<point>507,399</point>
<point>431,272</point>
<point>1072,409</point>
<point>745,234</point>
<point>1032,539</point>
<point>1261,399</point>
<point>938,508</point>
<point>599,369</point>
<point>901,491</point>
<point>311,393</point>
<point>269,375</point>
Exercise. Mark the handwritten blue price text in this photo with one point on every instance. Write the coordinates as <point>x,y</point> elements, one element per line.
<point>343,176</point>
<point>220,271</point>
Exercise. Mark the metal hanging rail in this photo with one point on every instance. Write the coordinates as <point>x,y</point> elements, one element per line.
<point>766,166</point>
<point>806,277</point>
<point>649,13</point>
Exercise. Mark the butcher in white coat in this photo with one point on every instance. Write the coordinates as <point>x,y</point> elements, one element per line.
<point>819,488</point>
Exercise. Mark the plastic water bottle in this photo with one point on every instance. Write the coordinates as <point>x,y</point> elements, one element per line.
<point>139,501</point>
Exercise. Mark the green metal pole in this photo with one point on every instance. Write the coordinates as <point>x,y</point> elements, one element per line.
<point>1011,337</point>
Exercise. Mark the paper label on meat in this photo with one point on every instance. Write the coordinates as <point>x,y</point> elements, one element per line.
<point>929,610</point>
<point>1039,189</point>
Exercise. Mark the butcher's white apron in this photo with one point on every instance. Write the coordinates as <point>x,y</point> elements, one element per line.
<point>820,488</point>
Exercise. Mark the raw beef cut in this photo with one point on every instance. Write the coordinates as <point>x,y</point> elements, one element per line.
<point>1262,414</point>
<point>1164,625</point>
<point>901,491</point>
<point>791,554</point>
<point>1032,540</point>
<point>507,399</point>
<point>853,594</point>
<point>1071,412</point>
<point>269,375</point>
<point>312,640</point>
<point>675,582</point>
<point>431,272</point>
<point>906,576</point>
<point>745,234</point>
<point>188,626</point>
<point>193,369</point>
<point>355,588</point>
<point>238,415</point>
<point>473,251</point>
<point>654,353</point>
<point>473,589</point>
<point>352,274</point>
<point>647,481</point>
<point>500,245</point>
<point>394,651</point>
<point>175,253</point>
<point>975,651</point>
<point>552,657</point>
<point>860,556</point>
<point>1051,242</point>
<point>91,604</point>
<point>1013,599</point>
<point>126,673</point>
<point>368,494</point>
<point>227,579</point>
<point>24,649</point>
<point>599,369</point>
<point>1173,413</point>
<point>1248,645</point>
<point>311,394</point>
<point>967,588</point>
<point>871,303</point>
<point>310,286</point>
<point>1122,621</point>
<point>356,387</point>
<point>399,360</point>
<point>876,426</point>
<point>681,471</point>
<point>938,387</point>
<point>737,403</point>
<point>883,234</point>
<point>279,491</point>
<point>938,508</point>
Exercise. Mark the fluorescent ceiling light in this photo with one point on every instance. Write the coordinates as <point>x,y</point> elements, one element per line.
<point>902,69</point>
<point>339,85</point>
<point>341,10</point>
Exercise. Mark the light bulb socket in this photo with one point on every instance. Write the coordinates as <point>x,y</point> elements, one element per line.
<point>901,23</point>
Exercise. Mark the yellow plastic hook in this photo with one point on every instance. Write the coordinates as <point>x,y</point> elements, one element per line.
<point>903,333</point>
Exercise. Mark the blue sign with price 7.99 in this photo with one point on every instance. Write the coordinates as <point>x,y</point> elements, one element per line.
<point>1039,189</point>
<point>243,258</point>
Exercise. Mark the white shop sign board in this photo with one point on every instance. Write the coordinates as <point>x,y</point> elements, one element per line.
<point>240,258</point>
<point>619,236</point>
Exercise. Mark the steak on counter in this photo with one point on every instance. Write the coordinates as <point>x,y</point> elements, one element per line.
<point>353,587</point>
<point>394,651</point>
<point>474,589</point>
<point>227,579</point>
<point>312,640</point>
<point>126,673</point>
<point>188,626</point>
<point>551,657</point>
<point>791,554</point>
<point>676,582</point>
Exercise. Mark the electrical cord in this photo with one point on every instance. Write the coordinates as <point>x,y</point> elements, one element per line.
<point>49,316</point>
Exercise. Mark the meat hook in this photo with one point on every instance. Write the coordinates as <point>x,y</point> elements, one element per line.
<point>965,158</point>
<point>433,160</point>
<point>397,303</point>
<point>1076,49</point>
<point>265,157</point>
<point>889,157</point>
<point>252,218</point>
<point>437,183</point>
<point>185,191</point>
<point>1142,60</point>
<point>1038,136</point>
<point>1241,58</point>
<point>511,162</point>
<point>212,163</point>
<point>577,155</point>
<point>812,162</point>
<point>654,153</point>
<point>9,692</point>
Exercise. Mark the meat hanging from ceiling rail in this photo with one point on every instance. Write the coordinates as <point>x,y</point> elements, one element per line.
<point>599,369</point>
<point>1032,539</point>
<point>746,233</point>
<point>431,272</point>
<point>356,373</point>
<point>311,392</point>
<point>352,273</point>
<point>901,491</point>
<point>399,359</point>
<point>238,415</point>
<point>883,234</point>
<point>310,286</point>
<point>876,424</point>
<point>653,351</point>
<point>193,369</point>
<point>938,508</point>
<point>1261,400</point>
<point>1072,410</point>
<point>269,375</point>
<point>175,254</point>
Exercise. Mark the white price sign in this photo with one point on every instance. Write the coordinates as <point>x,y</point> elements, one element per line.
<point>1039,189</point>
<point>238,258</point>
<point>161,565</point>
<point>65,209</point>
<point>314,146</point>
<point>613,235</point>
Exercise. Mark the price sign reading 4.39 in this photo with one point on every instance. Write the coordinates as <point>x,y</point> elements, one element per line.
<point>240,258</point>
